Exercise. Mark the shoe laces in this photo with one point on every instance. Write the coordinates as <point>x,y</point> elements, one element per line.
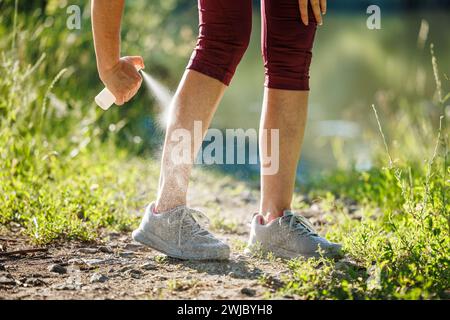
<point>190,219</point>
<point>299,224</point>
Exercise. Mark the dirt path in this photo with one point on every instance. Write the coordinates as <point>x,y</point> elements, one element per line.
<point>118,268</point>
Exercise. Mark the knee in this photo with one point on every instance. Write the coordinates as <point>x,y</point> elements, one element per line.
<point>240,41</point>
<point>287,58</point>
<point>218,54</point>
<point>288,70</point>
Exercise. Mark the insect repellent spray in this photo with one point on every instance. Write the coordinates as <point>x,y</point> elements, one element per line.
<point>105,99</point>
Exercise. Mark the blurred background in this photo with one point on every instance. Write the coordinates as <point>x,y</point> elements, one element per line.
<point>353,67</point>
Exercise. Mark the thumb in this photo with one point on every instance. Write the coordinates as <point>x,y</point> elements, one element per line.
<point>137,61</point>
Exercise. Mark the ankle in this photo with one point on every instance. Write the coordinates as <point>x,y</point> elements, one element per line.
<point>164,206</point>
<point>272,213</point>
<point>269,217</point>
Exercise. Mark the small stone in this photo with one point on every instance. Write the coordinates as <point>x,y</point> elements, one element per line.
<point>65,286</point>
<point>240,256</point>
<point>126,254</point>
<point>57,268</point>
<point>97,277</point>
<point>97,262</point>
<point>88,250</point>
<point>2,267</point>
<point>133,247</point>
<point>248,292</point>
<point>114,234</point>
<point>105,249</point>
<point>75,261</point>
<point>124,269</point>
<point>34,282</point>
<point>148,266</point>
<point>135,274</point>
<point>7,281</point>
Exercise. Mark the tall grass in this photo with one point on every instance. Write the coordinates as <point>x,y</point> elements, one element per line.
<point>44,187</point>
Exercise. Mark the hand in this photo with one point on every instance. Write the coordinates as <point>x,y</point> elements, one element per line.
<point>319,8</point>
<point>123,79</point>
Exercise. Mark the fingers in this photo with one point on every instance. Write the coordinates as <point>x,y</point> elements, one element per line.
<point>323,6</point>
<point>137,61</point>
<point>125,81</point>
<point>134,82</point>
<point>119,100</point>
<point>317,12</point>
<point>304,11</point>
<point>133,92</point>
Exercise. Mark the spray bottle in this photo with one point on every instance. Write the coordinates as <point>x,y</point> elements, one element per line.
<point>105,99</point>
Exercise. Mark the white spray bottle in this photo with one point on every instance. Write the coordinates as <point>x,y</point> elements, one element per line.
<point>105,99</point>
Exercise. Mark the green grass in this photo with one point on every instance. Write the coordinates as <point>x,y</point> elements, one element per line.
<point>58,179</point>
<point>397,246</point>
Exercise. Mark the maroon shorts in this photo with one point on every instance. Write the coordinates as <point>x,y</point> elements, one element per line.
<point>224,34</point>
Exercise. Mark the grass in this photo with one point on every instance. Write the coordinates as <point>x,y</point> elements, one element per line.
<point>66,186</point>
<point>221,224</point>
<point>181,285</point>
<point>63,177</point>
<point>398,247</point>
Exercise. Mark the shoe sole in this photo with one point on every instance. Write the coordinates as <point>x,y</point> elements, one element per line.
<point>156,243</point>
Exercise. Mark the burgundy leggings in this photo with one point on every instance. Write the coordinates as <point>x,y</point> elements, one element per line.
<point>224,34</point>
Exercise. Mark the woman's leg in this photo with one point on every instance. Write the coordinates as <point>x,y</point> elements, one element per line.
<point>286,111</point>
<point>196,100</point>
<point>287,45</point>
<point>224,34</point>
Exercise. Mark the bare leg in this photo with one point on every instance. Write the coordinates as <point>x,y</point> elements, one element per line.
<point>285,110</point>
<point>196,99</point>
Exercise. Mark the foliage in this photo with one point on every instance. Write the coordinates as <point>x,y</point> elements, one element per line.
<point>61,174</point>
<point>397,243</point>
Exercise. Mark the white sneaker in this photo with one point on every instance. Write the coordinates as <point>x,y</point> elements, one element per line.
<point>288,237</point>
<point>177,234</point>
